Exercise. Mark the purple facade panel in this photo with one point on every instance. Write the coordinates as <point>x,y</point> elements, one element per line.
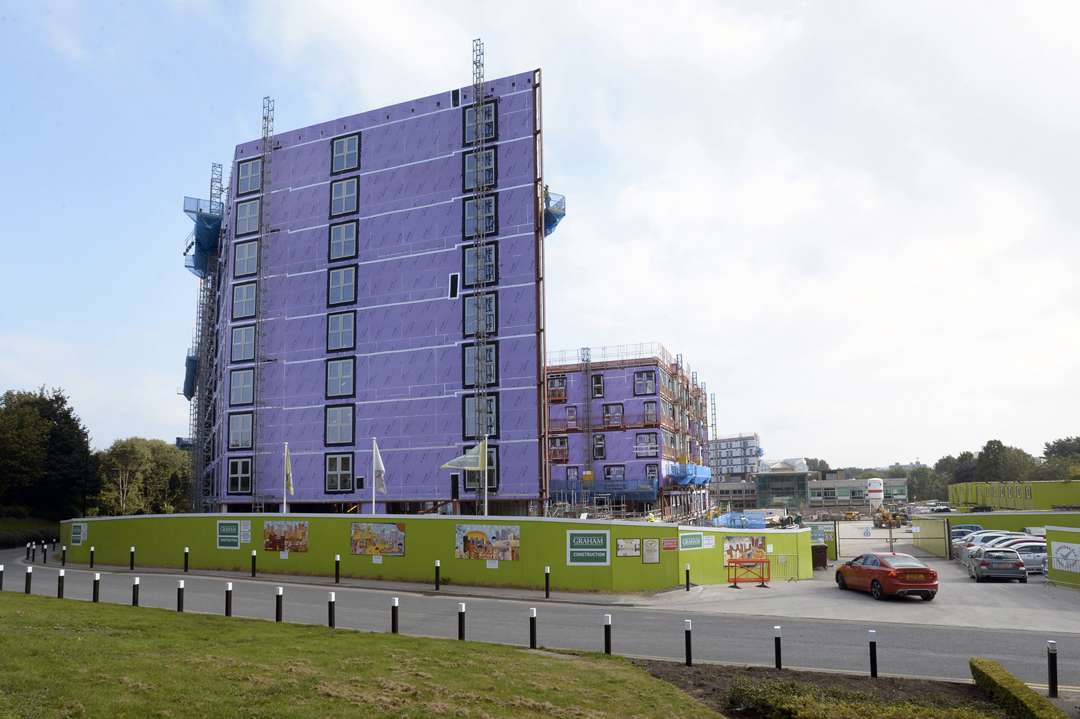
<point>408,298</point>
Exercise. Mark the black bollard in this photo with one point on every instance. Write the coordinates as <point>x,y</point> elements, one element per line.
<point>1,577</point>
<point>688,577</point>
<point>279,608</point>
<point>44,553</point>
<point>60,585</point>
<point>180,596</point>
<point>29,579</point>
<point>1051,668</point>
<point>97,587</point>
<point>33,553</point>
<point>872,635</point>
<point>228,599</point>
<point>607,634</point>
<point>394,616</point>
<point>131,559</point>
<point>337,569</point>
<point>91,556</point>
<point>776,647</point>
<point>689,644</point>
<point>54,544</point>
<point>28,551</point>
<point>437,577</point>
<point>135,592</point>
<point>547,582</point>
<point>252,562</point>
<point>532,628</point>
<point>330,610</point>
<point>187,552</point>
<point>461,621</point>
<point>63,556</point>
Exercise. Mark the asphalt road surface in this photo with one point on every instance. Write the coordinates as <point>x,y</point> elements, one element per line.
<point>655,631</point>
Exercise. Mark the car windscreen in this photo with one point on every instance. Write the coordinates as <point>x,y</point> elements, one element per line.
<point>900,562</point>
<point>999,554</point>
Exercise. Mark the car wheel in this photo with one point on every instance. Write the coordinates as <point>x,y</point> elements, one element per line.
<point>840,581</point>
<point>929,596</point>
<point>876,591</point>
<point>1023,580</point>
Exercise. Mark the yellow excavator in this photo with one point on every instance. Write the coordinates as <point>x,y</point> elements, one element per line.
<point>883,518</point>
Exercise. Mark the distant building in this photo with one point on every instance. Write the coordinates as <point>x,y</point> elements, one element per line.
<point>627,427</point>
<point>735,455</point>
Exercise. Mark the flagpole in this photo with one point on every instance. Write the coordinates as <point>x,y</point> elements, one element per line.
<point>483,472</point>
<point>373,475</point>
<point>285,482</point>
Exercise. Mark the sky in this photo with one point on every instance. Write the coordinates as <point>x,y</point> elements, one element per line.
<point>856,221</point>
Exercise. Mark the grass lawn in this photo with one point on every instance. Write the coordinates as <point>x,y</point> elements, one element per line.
<point>72,658</point>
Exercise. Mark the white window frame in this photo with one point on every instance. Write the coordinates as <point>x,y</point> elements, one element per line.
<point>249,176</point>
<point>645,382</point>
<point>246,258</point>
<point>646,445</point>
<point>342,148</point>
<point>610,470</point>
<point>241,381</point>
<point>344,196</point>
<point>653,416</point>
<point>654,470</point>
<point>247,217</point>
<point>241,426</point>
<point>490,214</point>
<point>336,378</point>
<point>339,291</point>
<point>243,300</point>
<point>340,241</point>
<point>334,433</point>
<point>599,447</point>
<point>247,341</point>
<point>336,477</point>
<point>490,300</point>
<point>240,475</point>
<point>339,328</point>
<point>596,389</point>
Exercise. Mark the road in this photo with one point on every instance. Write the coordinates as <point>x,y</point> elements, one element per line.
<point>652,631</point>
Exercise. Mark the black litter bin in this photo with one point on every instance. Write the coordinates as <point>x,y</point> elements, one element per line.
<point>819,554</point>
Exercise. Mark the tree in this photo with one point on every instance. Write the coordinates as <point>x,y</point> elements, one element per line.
<point>1066,447</point>
<point>964,469</point>
<point>999,463</point>
<point>817,465</point>
<point>143,475</point>
<point>926,483</point>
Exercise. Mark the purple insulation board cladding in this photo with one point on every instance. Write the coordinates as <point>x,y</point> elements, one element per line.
<point>361,316</point>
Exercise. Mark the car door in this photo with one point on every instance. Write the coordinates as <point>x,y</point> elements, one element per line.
<point>871,567</point>
<point>852,572</point>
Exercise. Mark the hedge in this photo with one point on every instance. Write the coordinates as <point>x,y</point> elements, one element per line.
<point>795,700</point>
<point>1008,692</point>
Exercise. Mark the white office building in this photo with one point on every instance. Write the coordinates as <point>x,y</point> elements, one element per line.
<point>738,455</point>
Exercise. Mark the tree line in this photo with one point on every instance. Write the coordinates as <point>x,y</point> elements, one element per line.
<point>48,469</point>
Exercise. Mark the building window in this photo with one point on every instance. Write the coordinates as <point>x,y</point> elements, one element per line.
<point>240,475</point>
<point>240,430</point>
<point>245,258</point>
<point>558,448</point>
<point>491,416</point>
<point>645,382</point>
<point>571,417</point>
<point>341,286</point>
<point>343,197</point>
<point>339,473</point>
<point>247,217</point>
<point>345,154</point>
<point>487,170</point>
<point>615,476</point>
<point>597,386</point>
<point>339,424</point>
<point>613,415</point>
<point>573,476</point>
<point>243,344</point>
<point>241,386</point>
<point>243,301</point>
<point>339,331</point>
<point>487,272</point>
<point>651,416</point>
<point>472,481</point>
<point>489,306</point>
<point>488,119</point>
<point>599,447</point>
<point>652,473</point>
<point>339,377</point>
<point>646,445</point>
<point>556,388</point>
<point>488,212</point>
<point>472,368</point>
<point>343,241</point>
<point>249,176</point>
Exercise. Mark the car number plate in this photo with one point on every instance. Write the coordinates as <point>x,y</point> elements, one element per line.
<point>1000,565</point>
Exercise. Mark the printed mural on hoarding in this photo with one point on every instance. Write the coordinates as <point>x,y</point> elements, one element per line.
<point>487,541</point>
<point>744,548</point>
<point>378,538</point>
<point>280,536</point>
<point>627,547</point>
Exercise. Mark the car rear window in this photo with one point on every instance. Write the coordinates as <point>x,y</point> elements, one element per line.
<point>999,554</point>
<point>902,562</point>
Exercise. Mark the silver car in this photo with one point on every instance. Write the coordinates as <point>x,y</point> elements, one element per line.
<point>990,562</point>
<point>1033,553</point>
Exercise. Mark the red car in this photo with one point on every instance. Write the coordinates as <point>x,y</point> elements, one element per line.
<point>884,574</point>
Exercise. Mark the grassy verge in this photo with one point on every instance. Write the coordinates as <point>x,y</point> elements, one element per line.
<point>16,532</point>
<point>70,658</point>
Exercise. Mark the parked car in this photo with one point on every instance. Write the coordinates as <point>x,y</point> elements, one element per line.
<point>884,574</point>
<point>1008,539</point>
<point>1032,553</point>
<point>968,527</point>
<point>987,562</point>
<point>981,539</point>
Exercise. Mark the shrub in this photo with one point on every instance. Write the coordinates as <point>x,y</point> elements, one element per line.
<point>1010,693</point>
<point>794,700</point>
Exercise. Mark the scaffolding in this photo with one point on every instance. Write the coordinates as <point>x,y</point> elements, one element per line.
<point>261,332</point>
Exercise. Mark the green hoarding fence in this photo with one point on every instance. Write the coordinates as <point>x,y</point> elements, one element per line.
<point>611,556</point>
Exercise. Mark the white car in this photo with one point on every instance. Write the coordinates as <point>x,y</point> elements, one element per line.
<point>981,539</point>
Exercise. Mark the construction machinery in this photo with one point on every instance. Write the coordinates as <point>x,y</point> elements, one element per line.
<point>883,518</point>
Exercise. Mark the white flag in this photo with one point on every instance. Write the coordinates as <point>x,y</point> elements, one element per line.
<point>474,459</point>
<point>378,471</point>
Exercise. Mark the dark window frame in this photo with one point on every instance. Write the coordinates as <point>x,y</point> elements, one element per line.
<point>466,300</point>
<point>250,459</point>
<point>241,163</point>
<point>655,386</point>
<point>232,344</point>
<point>593,387</point>
<point>465,248</point>
<point>359,146</point>
<point>228,432</point>
<point>232,301</point>
<point>494,150</point>
<point>601,439</point>
<point>495,206</point>
<point>352,472</point>
<point>330,241</point>
<point>464,413</point>
<point>330,202</point>
<point>236,246</point>
<point>469,483</point>
<point>352,346</point>
<point>356,281</point>
<point>465,122</point>
<point>494,381</point>
<point>258,225</point>
<point>326,425</point>
<point>233,371</point>
<point>326,377</point>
